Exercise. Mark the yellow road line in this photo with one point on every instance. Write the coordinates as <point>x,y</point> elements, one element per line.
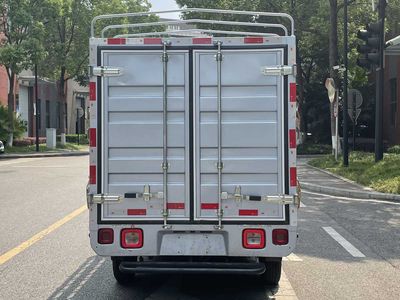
<point>37,237</point>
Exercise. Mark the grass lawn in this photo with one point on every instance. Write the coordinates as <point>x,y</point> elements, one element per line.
<point>383,176</point>
<point>43,148</point>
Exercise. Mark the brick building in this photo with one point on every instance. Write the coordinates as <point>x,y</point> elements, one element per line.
<point>391,102</point>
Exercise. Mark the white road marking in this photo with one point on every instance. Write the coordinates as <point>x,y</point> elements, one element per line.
<point>302,204</point>
<point>19,160</point>
<point>285,291</point>
<point>82,283</point>
<point>73,279</point>
<point>292,257</point>
<point>343,242</point>
<point>352,199</point>
<point>40,166</point>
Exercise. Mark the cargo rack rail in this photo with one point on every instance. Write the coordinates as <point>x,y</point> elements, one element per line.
<point>195,32</point>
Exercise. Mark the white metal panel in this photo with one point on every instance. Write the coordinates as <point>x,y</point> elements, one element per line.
<point>133,133</point>
<point>252,133</point>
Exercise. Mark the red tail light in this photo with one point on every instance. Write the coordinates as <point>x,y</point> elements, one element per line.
<point>92,137</point>
<point>280,237</point>
<point>105,236</point>
<point>201,40</point>
<point>116,41</point>
<point>254,40</point>
<point>132,238</point>
<point>92,175</point>
<point>293,92</point>
<point>293,176</point>
<point>92,91</point>
<point>292,138</point>
<point>152,41</point>
<point>253,238</point>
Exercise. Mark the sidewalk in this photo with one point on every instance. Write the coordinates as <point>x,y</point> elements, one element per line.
<point>321,181</point>
<point>42,154</point>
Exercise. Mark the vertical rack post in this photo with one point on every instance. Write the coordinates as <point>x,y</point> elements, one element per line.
<point>220,165</point>
<point>165,135</point>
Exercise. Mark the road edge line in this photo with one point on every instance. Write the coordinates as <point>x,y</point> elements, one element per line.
<point>37,237</point>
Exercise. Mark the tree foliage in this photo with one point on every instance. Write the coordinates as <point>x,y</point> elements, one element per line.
<point>20,43</point>
<point>312,22</point>
<point>68,31</point>
<point>5,127</point>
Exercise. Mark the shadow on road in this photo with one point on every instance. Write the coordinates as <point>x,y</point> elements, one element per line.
<point>94,280</point>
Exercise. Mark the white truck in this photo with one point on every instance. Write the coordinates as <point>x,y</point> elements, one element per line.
<point>193,145</point>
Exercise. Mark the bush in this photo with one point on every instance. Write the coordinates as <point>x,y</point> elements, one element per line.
<point>28,141</point>
<point>394,149</point>
<point>22,143</point>
<point>73,138</point>
<point>314,148</point>
<point>20,125</point>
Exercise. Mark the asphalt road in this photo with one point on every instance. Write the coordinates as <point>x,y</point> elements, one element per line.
<point>347,248</point>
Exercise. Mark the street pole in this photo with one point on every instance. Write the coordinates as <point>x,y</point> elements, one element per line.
<point>354,121</point>
<point>77,123</point>
<point>337,124</point>
<point>380,85</point>
<point>345,80</point>
<point>37,110</point>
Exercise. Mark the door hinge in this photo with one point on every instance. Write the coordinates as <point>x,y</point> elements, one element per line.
<point>105,71</point>
<point>278,70</point>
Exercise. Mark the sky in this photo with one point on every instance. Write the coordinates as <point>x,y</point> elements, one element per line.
<point>165,5</point>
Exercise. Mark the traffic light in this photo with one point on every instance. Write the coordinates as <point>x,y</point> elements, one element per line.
<point>370,50</point>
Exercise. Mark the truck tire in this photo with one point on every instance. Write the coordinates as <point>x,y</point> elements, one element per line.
<point>272,273</point>
<point>122,278</point>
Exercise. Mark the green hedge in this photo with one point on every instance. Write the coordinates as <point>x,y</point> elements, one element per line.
<point>313,148</point>
<point>73,138</point>
<point>394,149</point>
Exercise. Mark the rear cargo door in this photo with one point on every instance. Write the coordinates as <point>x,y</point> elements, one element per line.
<point>252,133</point>
<point>132,133</point>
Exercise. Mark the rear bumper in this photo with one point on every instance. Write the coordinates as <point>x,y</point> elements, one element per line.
<point>251,268</point>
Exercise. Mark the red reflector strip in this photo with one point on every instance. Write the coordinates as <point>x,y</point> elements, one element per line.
<point>116,41</point>
<point>92,91</point>
<point>137,212</point>
<point>293,92</point>
<point>92,175</point>
<point>253,40</point>
<point>92,137</point>
<point>292,138</point>
<point>175,205</point>
<point>201,40</point>
<point>209,206</point>
<point>248,212</point>
<point>293,176</point>
<point>152,41</point>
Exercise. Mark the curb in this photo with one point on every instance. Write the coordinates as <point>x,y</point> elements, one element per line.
<point>310,155</point>
<point>349,193</point>
<point>341,178</point>
<point>51,154</point>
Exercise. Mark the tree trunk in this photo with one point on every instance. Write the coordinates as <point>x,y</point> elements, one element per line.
<point>11,97</point>
<point>62,95</point>
<point>333,58</point>
<point>300,98</point>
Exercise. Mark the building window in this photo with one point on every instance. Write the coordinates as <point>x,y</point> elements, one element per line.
<point>47,114</point>
<point>58,113</point>
<point>393,101</point>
